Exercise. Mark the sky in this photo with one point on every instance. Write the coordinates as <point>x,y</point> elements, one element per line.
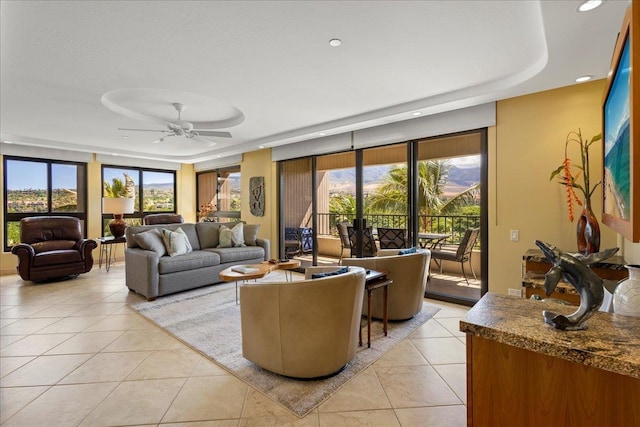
<point>33,175</point>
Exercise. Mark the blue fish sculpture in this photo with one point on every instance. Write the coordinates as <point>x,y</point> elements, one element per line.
<point>574,270</point>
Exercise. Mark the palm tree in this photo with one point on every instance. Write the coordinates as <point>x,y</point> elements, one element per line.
<point>343,206</point>
<point>116,189</point>
<point>391,196</point>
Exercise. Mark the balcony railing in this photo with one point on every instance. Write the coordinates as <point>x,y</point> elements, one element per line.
<point>454,225</point>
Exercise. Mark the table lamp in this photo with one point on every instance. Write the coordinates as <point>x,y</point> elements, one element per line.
<point>118,207</point>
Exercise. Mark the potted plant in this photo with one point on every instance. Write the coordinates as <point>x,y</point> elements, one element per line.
<point>578,176</point>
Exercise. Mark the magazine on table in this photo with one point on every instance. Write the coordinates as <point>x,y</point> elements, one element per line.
<point>244,269</point>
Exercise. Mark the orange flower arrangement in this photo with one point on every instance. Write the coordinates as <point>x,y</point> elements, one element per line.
<point>566,176</point>
<point>205,210</point>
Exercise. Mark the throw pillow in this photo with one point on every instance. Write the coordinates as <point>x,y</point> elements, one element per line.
<point>251,234</point>
<point>411,250</point>
<point>151,241</point>
<point>233,237</point>
<point>176,242</point>
<point>330,273</point>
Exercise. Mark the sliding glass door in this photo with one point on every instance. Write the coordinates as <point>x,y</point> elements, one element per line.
<point>430,192</point>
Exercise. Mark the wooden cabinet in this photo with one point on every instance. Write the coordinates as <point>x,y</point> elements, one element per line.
<point>523,372</point>
<point>535,265</point>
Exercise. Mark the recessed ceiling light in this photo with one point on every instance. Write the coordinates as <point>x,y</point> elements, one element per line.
<point>260,146</point>
<point>335,42</point>
<point>8,142</point>
<point>583,79</point>
<point>321,134</point>
<point>589,5</point>
<point>416,113</point>
<point>124,136</point>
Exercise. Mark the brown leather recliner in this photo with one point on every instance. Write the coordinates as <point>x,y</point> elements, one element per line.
<point>52,247</point>
<point>162,218</point>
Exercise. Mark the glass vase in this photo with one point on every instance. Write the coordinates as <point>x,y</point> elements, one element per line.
<point>588,230</point>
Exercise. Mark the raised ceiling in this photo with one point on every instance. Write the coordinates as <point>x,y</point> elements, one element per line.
<point>272,61</point>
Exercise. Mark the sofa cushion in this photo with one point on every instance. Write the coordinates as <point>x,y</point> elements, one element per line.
<point>56,257</point>
<point>330,273</point>
<point>151,240</point>
<point>53,245</point>
<point>190,261</point>
<point>188,228</point>
<point>176,242</point>
<point>407,251</point>
<point>208,234</point>
<point>251,234</point>
<point>231,237</point>
<point>239,254</point>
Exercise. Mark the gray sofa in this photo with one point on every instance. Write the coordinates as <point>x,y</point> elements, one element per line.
<point>152,275</point>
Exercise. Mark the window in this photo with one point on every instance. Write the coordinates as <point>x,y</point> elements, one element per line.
<point>41,187</point>
<point>154,191</point>
<point>219,194</point>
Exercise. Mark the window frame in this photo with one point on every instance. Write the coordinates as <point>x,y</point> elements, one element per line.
<point>139,203</point>
<point>17,216</point>
<point>222,215</point>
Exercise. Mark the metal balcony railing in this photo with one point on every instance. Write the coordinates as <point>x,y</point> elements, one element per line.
<point>454,225</point>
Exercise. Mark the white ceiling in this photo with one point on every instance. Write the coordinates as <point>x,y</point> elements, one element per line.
<point>272,61</point>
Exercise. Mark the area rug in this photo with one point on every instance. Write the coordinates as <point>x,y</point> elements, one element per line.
<point>208,320</point>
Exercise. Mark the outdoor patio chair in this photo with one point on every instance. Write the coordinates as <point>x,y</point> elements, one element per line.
<point>292,242</point>
<point>345,243</point>
<point>460,254</point>
<point>369,247</point>
<point>392,238</point>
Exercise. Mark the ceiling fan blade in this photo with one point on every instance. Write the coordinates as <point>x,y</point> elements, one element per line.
<point>204,141</point>
<point>218,134</point>
<point>159,140</point>
<point>143,130</point>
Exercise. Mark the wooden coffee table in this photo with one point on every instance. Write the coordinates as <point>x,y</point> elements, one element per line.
<point>264,268</point>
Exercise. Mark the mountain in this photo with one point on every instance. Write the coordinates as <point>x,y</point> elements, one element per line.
<point>343,180</point>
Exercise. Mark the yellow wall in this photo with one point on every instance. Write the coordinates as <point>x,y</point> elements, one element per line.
<point>258,163</point>
<point>525,146</point>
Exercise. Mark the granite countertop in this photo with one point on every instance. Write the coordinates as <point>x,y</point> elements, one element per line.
<point>611,342</point>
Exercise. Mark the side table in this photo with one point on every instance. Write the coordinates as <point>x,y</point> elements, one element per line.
<point>106,249</point>
<point>376,280</point>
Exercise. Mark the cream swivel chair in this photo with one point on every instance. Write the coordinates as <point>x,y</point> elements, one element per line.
<point>409,274</point>
<point>305,329</point>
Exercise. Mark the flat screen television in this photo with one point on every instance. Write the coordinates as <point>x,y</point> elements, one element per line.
<point>621,162</point>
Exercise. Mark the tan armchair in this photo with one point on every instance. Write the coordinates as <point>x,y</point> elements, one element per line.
<point>303,329</point>
<point>52,247</point>
<point>409,274</point>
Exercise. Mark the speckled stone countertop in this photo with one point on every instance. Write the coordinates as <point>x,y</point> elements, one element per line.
<point>611,342</point>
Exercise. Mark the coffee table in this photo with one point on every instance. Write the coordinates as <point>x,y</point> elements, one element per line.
<point>376,280</point>
<point>264,268</point>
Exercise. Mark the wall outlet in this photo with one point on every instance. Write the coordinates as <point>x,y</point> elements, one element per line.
<point>515,292</point>
<point>514,235</point>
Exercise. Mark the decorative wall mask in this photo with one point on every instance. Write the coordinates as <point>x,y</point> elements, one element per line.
<point>256,195</point>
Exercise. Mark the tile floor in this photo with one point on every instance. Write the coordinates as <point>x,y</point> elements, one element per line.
<point>72,353</point>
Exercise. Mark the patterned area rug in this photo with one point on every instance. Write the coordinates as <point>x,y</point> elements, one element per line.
<point>208,320</point>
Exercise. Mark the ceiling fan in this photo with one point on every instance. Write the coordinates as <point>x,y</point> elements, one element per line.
<point>185,129</point>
